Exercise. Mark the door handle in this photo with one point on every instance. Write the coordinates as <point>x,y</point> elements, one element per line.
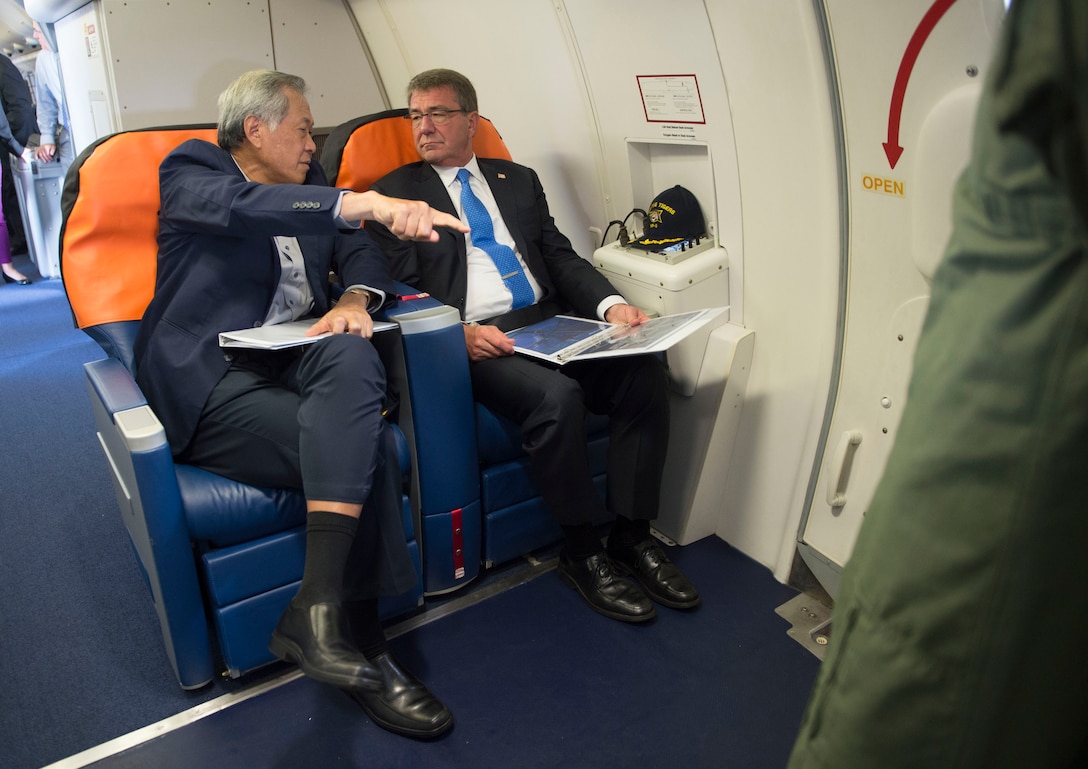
<point>840,466</point>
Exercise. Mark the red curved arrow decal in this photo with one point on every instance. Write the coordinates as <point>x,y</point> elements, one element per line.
<point>899,91</point>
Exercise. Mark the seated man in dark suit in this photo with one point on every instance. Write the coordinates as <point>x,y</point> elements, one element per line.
<point>248,233</point>
<point>515,269</point>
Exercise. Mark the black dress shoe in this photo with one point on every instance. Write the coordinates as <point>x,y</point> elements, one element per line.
<point>403,705</point>
<point>20,281</point>
<point>659,577</point>
<point>604,591</point>
<point>316,639</point>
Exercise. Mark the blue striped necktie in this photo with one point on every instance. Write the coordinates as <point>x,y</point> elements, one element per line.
<point>483,237</point>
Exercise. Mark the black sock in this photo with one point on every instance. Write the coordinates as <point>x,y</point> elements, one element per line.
<point>629,532</point>
<point>328,542</point>
<point>581,541</point>
<point>366,627</point>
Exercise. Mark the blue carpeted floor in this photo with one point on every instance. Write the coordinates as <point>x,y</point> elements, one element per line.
<point>534,678</point>
<point>81,659</point>
<point>537,680</point>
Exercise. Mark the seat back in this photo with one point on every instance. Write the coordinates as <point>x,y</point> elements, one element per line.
<point>110,210</point>
<point>110,218</point>
<point>361,151</point>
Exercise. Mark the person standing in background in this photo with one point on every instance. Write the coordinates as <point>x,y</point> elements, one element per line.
<point>19,110</point>
<point>53,125</point>
<point>7,267</point>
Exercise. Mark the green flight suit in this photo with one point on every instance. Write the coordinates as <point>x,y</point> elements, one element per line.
<point>959,633</point>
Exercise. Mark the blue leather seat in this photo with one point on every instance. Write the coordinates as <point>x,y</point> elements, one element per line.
<point>209,547</point>
<point>477,504</point>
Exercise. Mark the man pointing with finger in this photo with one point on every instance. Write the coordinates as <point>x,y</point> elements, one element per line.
<point>248,234</point>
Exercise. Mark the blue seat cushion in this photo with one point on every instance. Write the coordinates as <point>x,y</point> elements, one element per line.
<point>223,512</point>
<point>252,568</point>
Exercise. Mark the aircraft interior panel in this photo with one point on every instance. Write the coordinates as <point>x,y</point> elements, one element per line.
<point>527,81</point>
<point>174,84</point>
<point>944,141</point>
<point>138,65</point>
<point>87,84</point>
<point>776,74</point>
<point>663,116</point>
<point>896,68</point>
<point>322,40</point>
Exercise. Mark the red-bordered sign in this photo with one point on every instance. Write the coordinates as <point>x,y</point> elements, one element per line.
<point>671,99</point>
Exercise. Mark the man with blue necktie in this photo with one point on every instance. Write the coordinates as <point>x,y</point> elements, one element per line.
<point>513,269</point>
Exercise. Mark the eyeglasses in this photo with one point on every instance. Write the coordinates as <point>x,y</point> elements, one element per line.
<point>437,116</point>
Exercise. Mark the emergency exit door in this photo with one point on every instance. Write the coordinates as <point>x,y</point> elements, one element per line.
<point>908,75</point>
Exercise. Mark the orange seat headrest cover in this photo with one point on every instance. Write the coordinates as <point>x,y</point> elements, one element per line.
<point>111,221</point>
<point>383,144</point>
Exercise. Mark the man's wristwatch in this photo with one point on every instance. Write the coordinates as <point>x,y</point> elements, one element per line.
<point>361,292</point>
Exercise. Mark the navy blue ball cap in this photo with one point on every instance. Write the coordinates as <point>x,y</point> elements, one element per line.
<point>674,216</point>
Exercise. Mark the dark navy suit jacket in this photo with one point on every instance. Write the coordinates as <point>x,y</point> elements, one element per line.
<point>441,268</point>
<point>218,269</point>
<point>17,103</point>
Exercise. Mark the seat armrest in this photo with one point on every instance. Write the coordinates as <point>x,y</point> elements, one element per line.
<point>443,414</point>
<point>409,299</point>
<point>112,384</point>
<point>438,419</point>
<point>146,486</point>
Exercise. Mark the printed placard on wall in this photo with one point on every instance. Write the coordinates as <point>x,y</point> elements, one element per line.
<point>671,99</point>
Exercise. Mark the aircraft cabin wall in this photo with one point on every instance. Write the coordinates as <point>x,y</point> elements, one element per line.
<point>133,65</point>
<point>598,98</point>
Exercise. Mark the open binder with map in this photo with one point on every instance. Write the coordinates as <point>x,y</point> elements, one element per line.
<point>563,338</point>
